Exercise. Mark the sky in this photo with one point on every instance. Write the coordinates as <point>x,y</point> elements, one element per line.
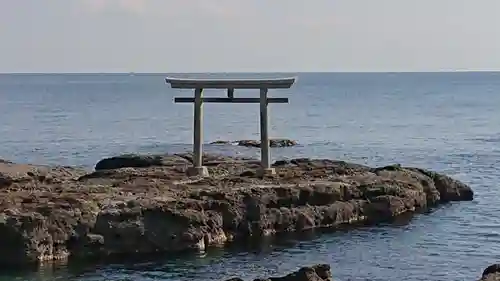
<point>248,35</point>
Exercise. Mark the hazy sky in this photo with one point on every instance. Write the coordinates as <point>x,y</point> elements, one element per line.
<point>248,35</point>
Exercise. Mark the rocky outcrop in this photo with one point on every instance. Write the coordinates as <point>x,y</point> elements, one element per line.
<point>147,204</point>
<point>322,272</point>
<point>319,272</point>
<point>256,143</point>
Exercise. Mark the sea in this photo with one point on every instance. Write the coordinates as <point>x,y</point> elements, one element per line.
<point>448,122</point>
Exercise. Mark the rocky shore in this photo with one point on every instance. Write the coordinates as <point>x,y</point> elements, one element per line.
<point>322,272</point>
<point>146,204</point>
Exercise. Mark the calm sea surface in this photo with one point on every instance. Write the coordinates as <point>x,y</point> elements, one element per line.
<point>449,122</point>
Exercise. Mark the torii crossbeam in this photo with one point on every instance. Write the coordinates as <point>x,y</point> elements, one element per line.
<point>230,85</point>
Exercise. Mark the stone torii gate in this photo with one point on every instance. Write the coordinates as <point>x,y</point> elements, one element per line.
<point>230,85</point>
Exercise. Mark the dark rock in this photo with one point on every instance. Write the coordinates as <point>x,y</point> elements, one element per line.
<point>320,272</point>
<point>140,161</point>
<point>145,161</point>
<point>491,273</point>
<point>395,167</point>
<point>220,142</point>
<point>256,143</point>
<point>148,204</point>
<point>129,160</point>
<point>272,143</point>
<point>250,143</point>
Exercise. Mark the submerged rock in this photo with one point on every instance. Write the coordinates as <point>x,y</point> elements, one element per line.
<point>322,272</point>
<point>147,204</point>
<point>319,272</point>
<point>256,143</point>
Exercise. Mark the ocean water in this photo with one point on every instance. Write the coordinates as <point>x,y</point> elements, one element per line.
<point>447,122</point>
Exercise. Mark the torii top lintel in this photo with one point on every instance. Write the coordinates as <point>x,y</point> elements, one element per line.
<point>270,83</point>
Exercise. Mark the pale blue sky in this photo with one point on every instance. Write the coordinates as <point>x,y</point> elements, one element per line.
<point>248,35</point>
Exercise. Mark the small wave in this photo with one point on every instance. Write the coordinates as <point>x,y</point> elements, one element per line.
<point>97,82</point>
<point>495,139</point>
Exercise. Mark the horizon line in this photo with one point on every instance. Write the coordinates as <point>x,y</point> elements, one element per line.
<point>254,72</point>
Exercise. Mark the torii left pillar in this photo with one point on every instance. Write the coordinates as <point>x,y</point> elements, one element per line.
<point>198,169</point>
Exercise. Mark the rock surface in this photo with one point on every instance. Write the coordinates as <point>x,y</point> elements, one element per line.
<point>319,272</point>
<point>256,143</point>
<point>147,204</point>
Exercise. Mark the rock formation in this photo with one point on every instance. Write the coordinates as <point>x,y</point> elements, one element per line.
<point>322,272</point>
<point>319,272</point>
<point>256,143</point>
<point>146,204</point>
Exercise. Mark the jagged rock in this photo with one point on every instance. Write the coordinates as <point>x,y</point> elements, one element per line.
<point>49,213</point>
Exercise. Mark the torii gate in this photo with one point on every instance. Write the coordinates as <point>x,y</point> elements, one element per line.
<point>230,84</point>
